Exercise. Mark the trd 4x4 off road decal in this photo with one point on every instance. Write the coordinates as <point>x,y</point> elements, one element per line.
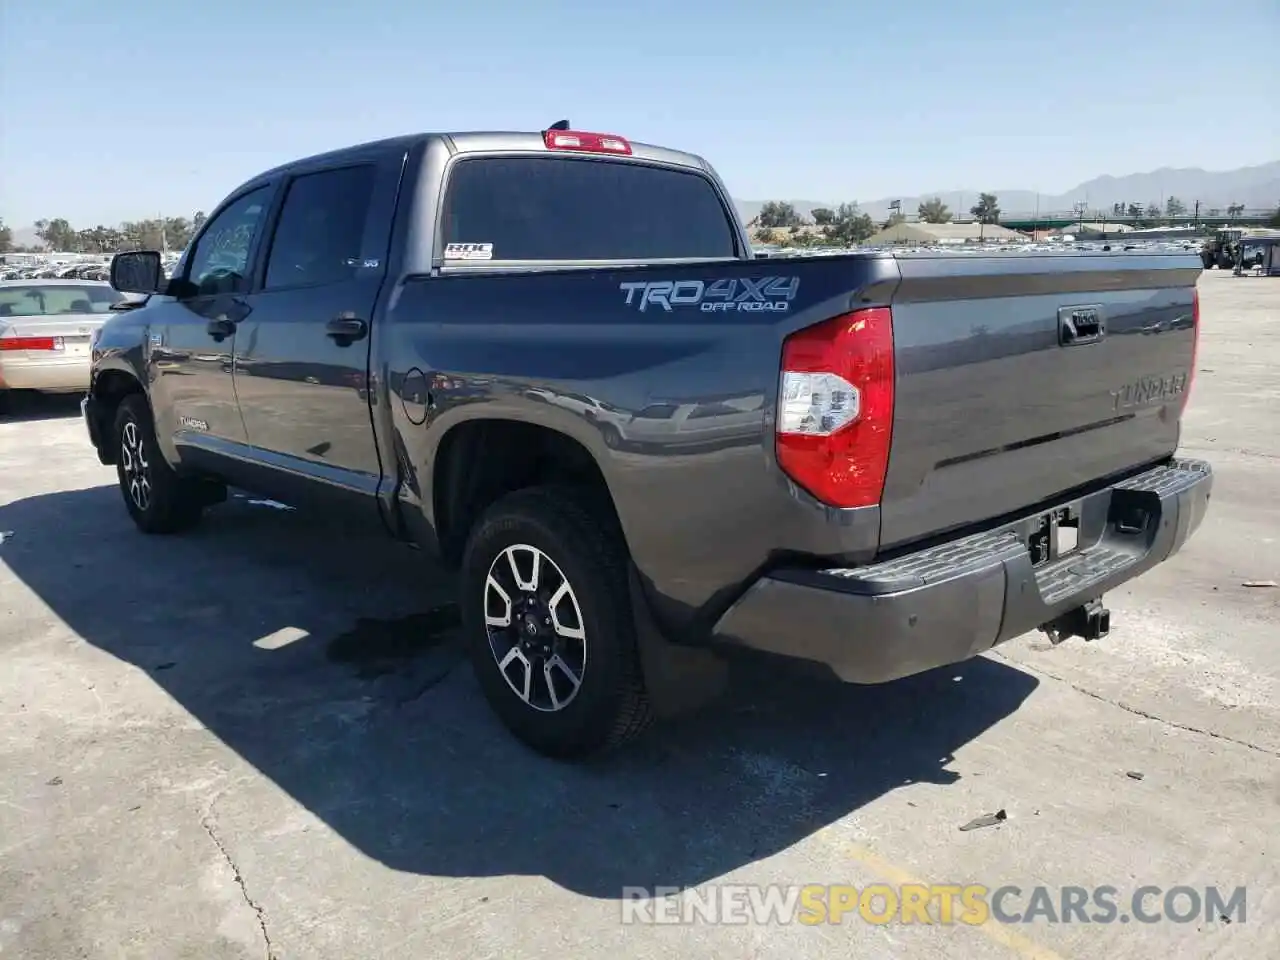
<point>745,294</point>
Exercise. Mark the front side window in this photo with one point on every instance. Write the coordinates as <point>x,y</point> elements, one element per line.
<point>220,260</point>
<point>556,208</point>
<point>321,229</point>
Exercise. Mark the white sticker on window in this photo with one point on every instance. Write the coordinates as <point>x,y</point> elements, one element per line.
<point>468,251</point>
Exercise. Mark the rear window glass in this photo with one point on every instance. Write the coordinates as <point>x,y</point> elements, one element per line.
<point>54,300</point>
<point>555,208</point>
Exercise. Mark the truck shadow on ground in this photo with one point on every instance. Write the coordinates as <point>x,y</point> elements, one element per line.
<point>25,406</point>
<point>329,661</point>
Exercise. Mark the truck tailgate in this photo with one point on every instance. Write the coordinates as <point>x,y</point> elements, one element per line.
<point>1022,378</point>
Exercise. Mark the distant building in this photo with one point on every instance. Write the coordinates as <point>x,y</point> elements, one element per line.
<point>1096,229</point>
<point>943,233</point>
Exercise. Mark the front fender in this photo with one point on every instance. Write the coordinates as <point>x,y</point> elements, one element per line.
<point>117,369</point>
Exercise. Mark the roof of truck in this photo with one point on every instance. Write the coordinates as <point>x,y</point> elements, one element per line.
<point>484,141</point>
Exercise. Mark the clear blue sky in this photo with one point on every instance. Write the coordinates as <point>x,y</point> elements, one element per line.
<point>112,111</point>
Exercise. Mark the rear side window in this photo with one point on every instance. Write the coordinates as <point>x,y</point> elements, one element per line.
<point>321,228</point>
<point>555,208</point>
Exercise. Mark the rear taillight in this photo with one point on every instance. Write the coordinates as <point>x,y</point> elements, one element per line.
<point>31,343</point>
<point>586,142</point>
<point>835,407</point>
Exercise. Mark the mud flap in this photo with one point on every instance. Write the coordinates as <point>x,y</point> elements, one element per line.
<point>679,678</point>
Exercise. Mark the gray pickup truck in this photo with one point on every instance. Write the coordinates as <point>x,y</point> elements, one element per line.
<point>552,360</point>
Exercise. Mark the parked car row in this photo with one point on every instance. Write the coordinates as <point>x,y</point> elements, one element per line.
<point>55,267</point>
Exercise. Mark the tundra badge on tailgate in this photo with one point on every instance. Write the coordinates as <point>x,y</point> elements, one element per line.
<point>745,294</point>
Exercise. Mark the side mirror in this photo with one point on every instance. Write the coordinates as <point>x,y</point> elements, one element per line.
<point>137,271</point>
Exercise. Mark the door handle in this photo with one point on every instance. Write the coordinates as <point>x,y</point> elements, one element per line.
<point>220,329</point>
<point>346,330</point>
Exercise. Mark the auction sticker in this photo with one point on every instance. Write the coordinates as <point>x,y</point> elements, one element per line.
<point>468,251</point>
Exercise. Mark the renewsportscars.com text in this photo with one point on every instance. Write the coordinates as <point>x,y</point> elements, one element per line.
<point>972,904</point>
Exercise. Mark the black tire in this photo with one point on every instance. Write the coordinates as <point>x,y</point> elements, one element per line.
<point>171,503</point>
<point>612,438</point>
<point>610,705</point>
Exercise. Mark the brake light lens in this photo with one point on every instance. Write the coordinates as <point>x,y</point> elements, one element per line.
<point>586,142</point>
<point>31,343</point>
<point>835,407</point>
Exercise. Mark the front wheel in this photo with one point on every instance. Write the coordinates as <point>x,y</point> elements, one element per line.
<point>158,500</point>
<point>547,612</point>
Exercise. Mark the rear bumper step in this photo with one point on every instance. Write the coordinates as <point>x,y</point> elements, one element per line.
<point>955,600</point>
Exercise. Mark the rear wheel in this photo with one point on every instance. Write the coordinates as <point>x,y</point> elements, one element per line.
<point>547,613</point>
<point>158,500</point>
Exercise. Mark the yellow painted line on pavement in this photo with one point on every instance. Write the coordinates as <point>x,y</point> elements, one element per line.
<point>996,932</point>
<point>1002,934</point>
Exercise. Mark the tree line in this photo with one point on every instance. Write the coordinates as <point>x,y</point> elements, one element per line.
<point>1156,213</point>
<point>848,224</point>
<point>162,233</point>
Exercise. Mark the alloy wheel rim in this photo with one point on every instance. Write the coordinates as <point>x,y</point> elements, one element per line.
<point>535,628</point>
<point>137,471</point>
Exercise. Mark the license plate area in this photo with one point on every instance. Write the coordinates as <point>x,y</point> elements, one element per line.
<point>1054,534</point>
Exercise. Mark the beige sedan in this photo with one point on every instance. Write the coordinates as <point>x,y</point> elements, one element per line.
<point>45,331</point>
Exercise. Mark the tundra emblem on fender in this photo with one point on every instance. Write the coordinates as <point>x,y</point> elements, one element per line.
<point>745,295</point>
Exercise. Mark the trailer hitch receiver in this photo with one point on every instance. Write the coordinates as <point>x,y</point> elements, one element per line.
<point>1091,620</point>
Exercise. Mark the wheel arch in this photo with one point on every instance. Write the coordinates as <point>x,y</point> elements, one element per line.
<point>110,387</point>
<point>479,460</point>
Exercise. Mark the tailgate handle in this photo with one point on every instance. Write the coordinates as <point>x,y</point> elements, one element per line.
<point>1078,325</point>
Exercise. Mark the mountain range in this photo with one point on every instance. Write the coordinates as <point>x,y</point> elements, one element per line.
<point>1257,186</point>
